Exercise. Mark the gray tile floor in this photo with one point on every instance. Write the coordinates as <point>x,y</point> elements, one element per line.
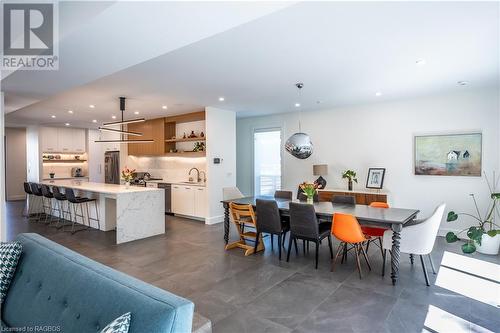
<point>261,294</point>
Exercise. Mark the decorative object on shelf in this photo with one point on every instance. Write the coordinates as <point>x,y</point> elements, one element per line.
<point>57,157</point>
<point>375,178</point>
<point>128,176</point>
<point>52,174</point>
<point>448,154</point>
<point>122,130</point>
<point>309,190</point>
<point>320,170</point>
<point>77,157</point>
<point>202,135</point>
<point>299,144</point>
<point>199,146</point>
<point>350,175</point>
<point>192,135</point>
<point>184,136</point>
<point>483,237</point>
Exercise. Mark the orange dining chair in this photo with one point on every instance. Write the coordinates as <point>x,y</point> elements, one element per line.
<point>375,234</point>
<point>346,228</point>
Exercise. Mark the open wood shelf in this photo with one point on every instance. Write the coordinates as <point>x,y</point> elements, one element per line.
<point>63,161</point>
<point>188,154</point>
<point>186,139</point>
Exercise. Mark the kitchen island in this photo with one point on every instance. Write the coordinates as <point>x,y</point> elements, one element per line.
<point>135,212</point>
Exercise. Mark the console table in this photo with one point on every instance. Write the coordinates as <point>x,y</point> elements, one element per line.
<point>362,197</point>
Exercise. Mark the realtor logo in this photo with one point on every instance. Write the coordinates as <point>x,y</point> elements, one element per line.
<point>29,32</point>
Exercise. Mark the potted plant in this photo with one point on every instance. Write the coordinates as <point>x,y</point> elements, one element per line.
<point>128,176</point>
<point>309,190</point>
<point>483,237</point>
<point>351,176</point>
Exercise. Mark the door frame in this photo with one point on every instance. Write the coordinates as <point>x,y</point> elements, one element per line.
<point>261,130</point>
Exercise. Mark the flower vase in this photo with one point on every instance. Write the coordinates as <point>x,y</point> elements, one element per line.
<point>127,184</point>
<point>310,200</point>
<point>489,245</point>
<point>349,185</point>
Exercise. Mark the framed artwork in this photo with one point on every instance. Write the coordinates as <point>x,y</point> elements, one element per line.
<point>448,154</point>
<point>375,178</point>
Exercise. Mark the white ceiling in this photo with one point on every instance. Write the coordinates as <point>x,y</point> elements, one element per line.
<point>344,52</point>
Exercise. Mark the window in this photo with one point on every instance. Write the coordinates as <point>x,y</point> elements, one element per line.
<point>267,161</point>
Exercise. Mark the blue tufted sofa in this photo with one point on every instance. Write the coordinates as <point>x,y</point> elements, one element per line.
<point>66,292</point>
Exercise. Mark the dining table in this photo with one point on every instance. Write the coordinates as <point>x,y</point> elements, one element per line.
<point>391,218</point>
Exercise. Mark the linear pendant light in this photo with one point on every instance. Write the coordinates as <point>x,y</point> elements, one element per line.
<point>119,131</point>
<point>122,131</point>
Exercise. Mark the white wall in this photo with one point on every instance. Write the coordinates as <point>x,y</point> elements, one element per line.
<point>33,160</point>
<point>221,143</point>
<point>15,169</point>
<point>381,135</point>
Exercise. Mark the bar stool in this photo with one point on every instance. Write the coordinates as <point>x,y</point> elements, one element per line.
<point>30,200</point>
<point>47,199</point>
<point>37,192</point>
<point>79,202</point>
<point>60,199</point>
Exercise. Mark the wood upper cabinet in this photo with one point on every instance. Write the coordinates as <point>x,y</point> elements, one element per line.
<point>151,129</point>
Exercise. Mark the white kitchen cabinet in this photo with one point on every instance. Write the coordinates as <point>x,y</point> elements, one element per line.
<point>49,140</point>
<point>200,201</point>
<point>189,200</point>
<point>62,140</point>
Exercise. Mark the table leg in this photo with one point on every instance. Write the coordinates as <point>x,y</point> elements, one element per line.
<point>226,223</point>
<point>395,255</point>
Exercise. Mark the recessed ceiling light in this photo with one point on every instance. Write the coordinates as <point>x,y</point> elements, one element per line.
<point>114,117</point>
<point>136,112</point>
<point>67,124</point>
<point>70,111</point>
<point>94,120</point>
<point>53,116</point>
<point>221,99</point>
<point>92,106</point>
<point>420,62</point>
<point>297,105</point>
<point>463,83</point>
<point>378,93</point>
<point>164,107</point>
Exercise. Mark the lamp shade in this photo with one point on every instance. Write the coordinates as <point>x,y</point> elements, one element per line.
<point>320,169</point>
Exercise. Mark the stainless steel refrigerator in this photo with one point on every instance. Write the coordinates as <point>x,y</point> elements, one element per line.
<point>112,167</point>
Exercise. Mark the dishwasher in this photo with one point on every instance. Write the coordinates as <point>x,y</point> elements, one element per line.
<point>168,196</point>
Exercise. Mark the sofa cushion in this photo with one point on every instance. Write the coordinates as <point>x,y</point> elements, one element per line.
<point>55,286</point>
<point>9,257</point>
<point>119,325</point>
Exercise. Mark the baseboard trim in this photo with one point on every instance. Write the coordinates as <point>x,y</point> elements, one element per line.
<point>214,219</point>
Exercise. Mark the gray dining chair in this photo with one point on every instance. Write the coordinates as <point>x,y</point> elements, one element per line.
<point>283,195</point>
<point>304,225</point>
<point>269,221</point>
<point>344,199</point>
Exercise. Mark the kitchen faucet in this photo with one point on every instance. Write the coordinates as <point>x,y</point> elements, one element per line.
<point>198,179</point>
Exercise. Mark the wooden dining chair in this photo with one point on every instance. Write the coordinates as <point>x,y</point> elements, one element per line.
<point>244,215</point>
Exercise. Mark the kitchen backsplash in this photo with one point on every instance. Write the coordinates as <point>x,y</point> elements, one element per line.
<point>62,170</point>
<point>167,167</point>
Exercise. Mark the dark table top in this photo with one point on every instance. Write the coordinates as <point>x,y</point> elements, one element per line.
<point>363,213</point>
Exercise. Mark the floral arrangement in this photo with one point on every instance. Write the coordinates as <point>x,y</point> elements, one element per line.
<point>128,175</point>
<point>309,189</point>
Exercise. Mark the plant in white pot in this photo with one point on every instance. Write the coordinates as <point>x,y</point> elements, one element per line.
<point>485,236</point>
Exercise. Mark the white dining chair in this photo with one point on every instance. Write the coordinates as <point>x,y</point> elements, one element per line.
<point>418,239</point>
<point>229,193</point>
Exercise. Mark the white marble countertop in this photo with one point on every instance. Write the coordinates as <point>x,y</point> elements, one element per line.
<point>202,184</point>
<point>99,187</point>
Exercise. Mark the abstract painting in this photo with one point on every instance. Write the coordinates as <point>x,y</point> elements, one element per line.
<point>448,154</point>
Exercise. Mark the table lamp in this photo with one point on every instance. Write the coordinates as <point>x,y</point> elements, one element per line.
<point>320,170</point>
